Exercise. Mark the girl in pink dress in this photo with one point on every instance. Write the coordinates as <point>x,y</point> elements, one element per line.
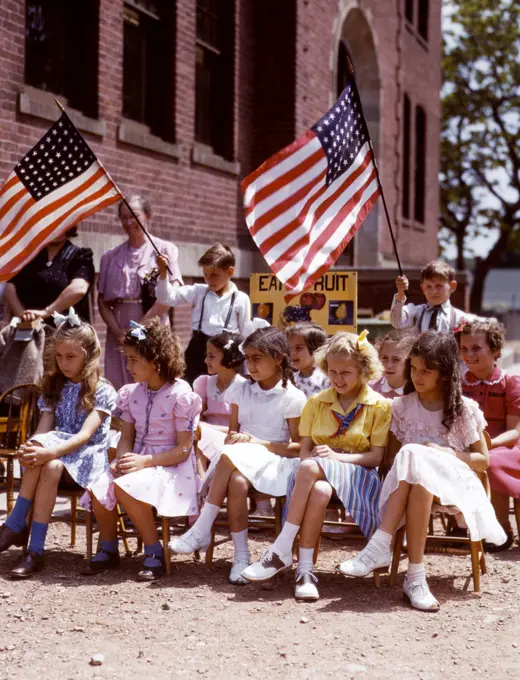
<point>438,442</point>
<point>498,395</point>
<point>155,463</point>
<point>223,359</point>
<point>121,273</point>
<point>393,349</point>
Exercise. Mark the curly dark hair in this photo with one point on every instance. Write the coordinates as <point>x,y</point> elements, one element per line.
<point>494,331</point>
<point>229,344</point>
<point>440,352</point>
<point>160,347</point>
<point>53,379</point>
<point>273,342</point>
<point>313,334</point>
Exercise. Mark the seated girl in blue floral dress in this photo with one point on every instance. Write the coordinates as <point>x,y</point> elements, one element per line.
<point>71,435</point>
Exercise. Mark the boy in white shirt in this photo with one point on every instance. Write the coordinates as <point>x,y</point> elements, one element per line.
<point>217,305</point>
<point>437,284</point>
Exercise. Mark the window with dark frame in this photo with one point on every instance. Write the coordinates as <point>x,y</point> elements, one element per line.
<point>214,76</point>
<point>408,10</point>
<point>149,65</point>
<point>407,149</point>
<point>61,50</point>
<point>420,164</point>
<point>422,18</point>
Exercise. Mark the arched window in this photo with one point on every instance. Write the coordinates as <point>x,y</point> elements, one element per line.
<point>420,164</point>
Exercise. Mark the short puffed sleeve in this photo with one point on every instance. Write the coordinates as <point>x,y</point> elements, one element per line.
<point>295,401</point>
<point>235,392</point>
<point>43,405</point>
<point>468,427</point>
<point>186,411</point>
<point>105,398</point>
<point>308,417</point>
<point>122,409</point>
<point>104,267</point>
<point>381,423</point>
<point>81,265</point>
<point>513,395</point>
<point>200,387</point>
<point>399,421</point>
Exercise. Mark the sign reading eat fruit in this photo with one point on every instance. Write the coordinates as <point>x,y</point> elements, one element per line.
<point>330,302</point>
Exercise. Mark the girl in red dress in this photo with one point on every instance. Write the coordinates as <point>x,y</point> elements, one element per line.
<point>498,396</point>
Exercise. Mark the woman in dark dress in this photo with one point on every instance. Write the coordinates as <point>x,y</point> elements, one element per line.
<point>59,277</point>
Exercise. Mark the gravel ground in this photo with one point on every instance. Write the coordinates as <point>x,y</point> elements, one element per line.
<point>195,624</point>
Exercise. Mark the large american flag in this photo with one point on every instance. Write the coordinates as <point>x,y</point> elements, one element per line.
<point>304,204</point>
<point>56,185</point>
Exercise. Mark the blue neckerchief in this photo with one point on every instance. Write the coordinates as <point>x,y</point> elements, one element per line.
<point>344,422</point>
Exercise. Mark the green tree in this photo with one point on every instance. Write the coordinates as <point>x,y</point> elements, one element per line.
<point>480,147</point>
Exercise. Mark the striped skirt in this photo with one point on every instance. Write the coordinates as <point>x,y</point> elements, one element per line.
<point>358,488</point>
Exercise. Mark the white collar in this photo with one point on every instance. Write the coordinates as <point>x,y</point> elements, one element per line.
<point>277,389</point>
<point>497,375</point>
<point>446,306</point>
<point>232,289</point>
<point>386,387</point>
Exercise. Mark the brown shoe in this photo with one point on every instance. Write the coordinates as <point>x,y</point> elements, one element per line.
<point>28,564</point>
<point>9,537</point>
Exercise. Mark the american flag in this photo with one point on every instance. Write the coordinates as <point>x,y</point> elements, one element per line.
<point>56,185</point>
<point>304,204</point>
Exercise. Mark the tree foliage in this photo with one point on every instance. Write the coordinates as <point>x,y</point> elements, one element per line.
<point>480,147</point>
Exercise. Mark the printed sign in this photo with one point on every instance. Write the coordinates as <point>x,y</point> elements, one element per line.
<point>330,302</point>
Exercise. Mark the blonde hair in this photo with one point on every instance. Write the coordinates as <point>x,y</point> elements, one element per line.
<point>54,380</point>
<point>347,345</point>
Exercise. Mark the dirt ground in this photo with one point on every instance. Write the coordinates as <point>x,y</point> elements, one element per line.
<point>195,624</point>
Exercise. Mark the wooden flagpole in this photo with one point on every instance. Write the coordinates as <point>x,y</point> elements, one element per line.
<point>394,243</point>
<point>123,198</point>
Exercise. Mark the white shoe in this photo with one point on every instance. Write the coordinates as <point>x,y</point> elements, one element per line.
<point>189,542</point>
<point>305,588</point>
<point>267,566</point>
<point>240,563</point>
<point>418,594</point>
<point>367,561</point>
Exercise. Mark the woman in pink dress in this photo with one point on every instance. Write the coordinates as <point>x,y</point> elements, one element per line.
<point>121,274</point>
<point>155,463</point>
<point>498,396</point>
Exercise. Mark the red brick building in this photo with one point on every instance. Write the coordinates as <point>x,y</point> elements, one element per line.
<point>182,98</point>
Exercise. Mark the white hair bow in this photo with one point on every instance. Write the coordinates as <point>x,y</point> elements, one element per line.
<point>137,331</point>
<point>71,317</point>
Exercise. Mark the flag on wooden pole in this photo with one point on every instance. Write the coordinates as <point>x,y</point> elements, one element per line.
<point>304,204</point>
<point>58,183</point>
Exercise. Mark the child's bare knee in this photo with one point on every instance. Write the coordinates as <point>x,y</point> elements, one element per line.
<point>308,470</point>
<point>238,484</point>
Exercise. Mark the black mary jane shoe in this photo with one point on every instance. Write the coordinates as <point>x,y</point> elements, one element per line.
<point>493,548</point>
<point>28,564</point>
<point>93,567</point>
<point>152,573</point>
<point>9,537</point>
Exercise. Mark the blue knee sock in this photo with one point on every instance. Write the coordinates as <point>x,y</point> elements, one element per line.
<point>17,520</point>
<point>107,548</point>
<point>38,535</point>
<point>149,551</point>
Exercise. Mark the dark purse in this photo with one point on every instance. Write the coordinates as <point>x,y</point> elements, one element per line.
<point>148,289</point>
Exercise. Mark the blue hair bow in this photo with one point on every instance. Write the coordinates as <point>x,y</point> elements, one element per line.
<point>137,331</point>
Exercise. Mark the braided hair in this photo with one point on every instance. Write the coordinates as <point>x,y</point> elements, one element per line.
<point>273,342</point>
<point>440,352</point>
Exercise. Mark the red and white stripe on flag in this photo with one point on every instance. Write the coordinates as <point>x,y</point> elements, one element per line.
<point>304,204</point>
<point>35,211</point>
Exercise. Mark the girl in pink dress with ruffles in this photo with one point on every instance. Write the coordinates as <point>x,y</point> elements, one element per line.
<point>155,463</point>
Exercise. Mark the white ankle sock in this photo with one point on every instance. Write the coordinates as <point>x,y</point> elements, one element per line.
<point>208,515</point>
<point>240,542</point>
<point>285,540</point>
<point>416,571</point>
<point>306,559</point>
<point>382,540</point>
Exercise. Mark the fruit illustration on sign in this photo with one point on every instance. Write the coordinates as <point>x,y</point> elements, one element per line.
<point>341,312</point>
<point>307,300</point>
<point>263,310</point>
<point>319,300</point>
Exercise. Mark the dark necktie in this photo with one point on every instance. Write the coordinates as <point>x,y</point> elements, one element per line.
<point>434,317</point>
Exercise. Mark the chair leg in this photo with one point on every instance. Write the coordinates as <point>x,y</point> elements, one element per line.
<point>398,546</point>
<point>10,485</point>
<point>278,509</point>
<point>211,547</point>
<point>475,565</point>
<point>74,519</point>
<point>166,549</point>
<point>516,502</point>
<point>316,550</point>
<point>483,565</point>
<point>89,528</point>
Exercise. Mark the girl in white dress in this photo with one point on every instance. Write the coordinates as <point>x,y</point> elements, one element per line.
<point>438,436</point>
<point>261,448</point>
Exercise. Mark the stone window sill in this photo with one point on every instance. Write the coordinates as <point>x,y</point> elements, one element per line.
<point>139,135</point>
<point>41,104</point>
<point>204,155</point>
